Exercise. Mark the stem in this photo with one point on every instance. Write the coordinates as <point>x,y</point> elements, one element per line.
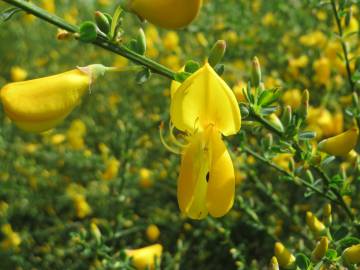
<point>343,45</point>
<point>100,40</point>
<point>296,179</point>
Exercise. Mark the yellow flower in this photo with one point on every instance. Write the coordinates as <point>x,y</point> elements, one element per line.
<point>145,258</point>
<point>292,98</point>
<point>322,70</point>
<point>171,41</point>
<point>18,74</point>
<point>351,255</point>
<point>145,180</point>
<point>152,232</point>
<point>39,105</point>
<point>320,249</point>
<point>313,39</point>
<point>167,13</point>
<point>204,107</point>
<point>314,223</point>
<point>82,207</point>
<point>341,144</point>
<point>268,19</point>
<point>112,169</point>
<point>205,99</point>
<point>284,256</point>
<point>12,239</point>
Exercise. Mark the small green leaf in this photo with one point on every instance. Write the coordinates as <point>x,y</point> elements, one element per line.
<point>181,76</point>
<point>307,135</point>
<point>8,13</point>
<point>88,32</point>
<point>115,22</point>
<point>347,242</point>
<point>331,254</point>
<point>143,76</point>
<point>191,66</point>
<point>302,261</point>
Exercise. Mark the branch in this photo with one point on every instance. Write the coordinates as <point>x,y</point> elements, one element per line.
<point>100,41</point>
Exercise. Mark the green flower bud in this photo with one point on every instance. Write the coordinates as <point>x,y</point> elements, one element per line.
<point>102,22</point>
<point>217,53</point>
<point>255,72</point>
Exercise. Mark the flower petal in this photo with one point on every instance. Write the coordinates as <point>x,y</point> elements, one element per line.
<point>204,99</point>
<point>192,184</point>
<point>221,185</point>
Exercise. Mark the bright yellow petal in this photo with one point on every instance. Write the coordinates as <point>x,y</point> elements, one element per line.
<point>192,184</point>
<point>205,99</point>
<point>221,185</point>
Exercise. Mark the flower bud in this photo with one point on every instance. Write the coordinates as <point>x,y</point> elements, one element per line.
<point>166,13</point>
<point>217,53</point>
<point>304,107</point>
<point>320,249</point>
<point>327,217</point>
<point>145,258</point>
<point>315,225</point>
<point>255,72</point>
<point>39,105</point>
<point>102,21</point>
<point>274,265</point>
<point>276,122</point>
<point>141,42</point>
<point>95,231</point>
<point>351,255</point>
<point>340,145</point>
<point>283,256</point>
<point>286,116</point>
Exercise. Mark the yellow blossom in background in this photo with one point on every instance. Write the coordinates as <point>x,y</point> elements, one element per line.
<point>145,180</point>
<point>82,207</point>
<point>12,239</point>
<point>57,138</point>
<point>295,64</point>
<point>283,160</point>
<point>323,122</point>
<point>120,61</point>
<point>314,39</point>
<point>171,41</point>
<point>112,169</point>
<point>238,91</point>
<point>292,98</point>
<point>322,70</point>
<point>18,74</point>
<point>171,61</point>
<point>75,134</point>
<point>145,258</point>
<point>49,5</point>
<point>152,232</point>
<point>200,37</point>
<point>268,19</point>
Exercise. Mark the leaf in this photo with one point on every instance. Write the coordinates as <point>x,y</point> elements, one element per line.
<point>115,21</point>
<point>347,242</point>
<point>181,76</point>
<point>191,66</point>
<point>220,68</point>
<point>307,135</point>
<point>8,13</point>
<point>331,254</point>
<point>302,261</point>
<point>88,31</point>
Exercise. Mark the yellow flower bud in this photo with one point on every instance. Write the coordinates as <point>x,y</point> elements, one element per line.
<point>274,265</point>
<point>351,255</point>
<point>320,249</point>
<point>145,258</point>
<point>283,256</point>
<point>166,13</point>
<point>152,232</point>
<point>341,144</point>
<point>314,223</point>
<point>39,105</point>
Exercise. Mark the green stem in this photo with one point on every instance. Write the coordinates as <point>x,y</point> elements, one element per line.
<point>343,45</point>
<point>296,179</point>
<point>100,41</point>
